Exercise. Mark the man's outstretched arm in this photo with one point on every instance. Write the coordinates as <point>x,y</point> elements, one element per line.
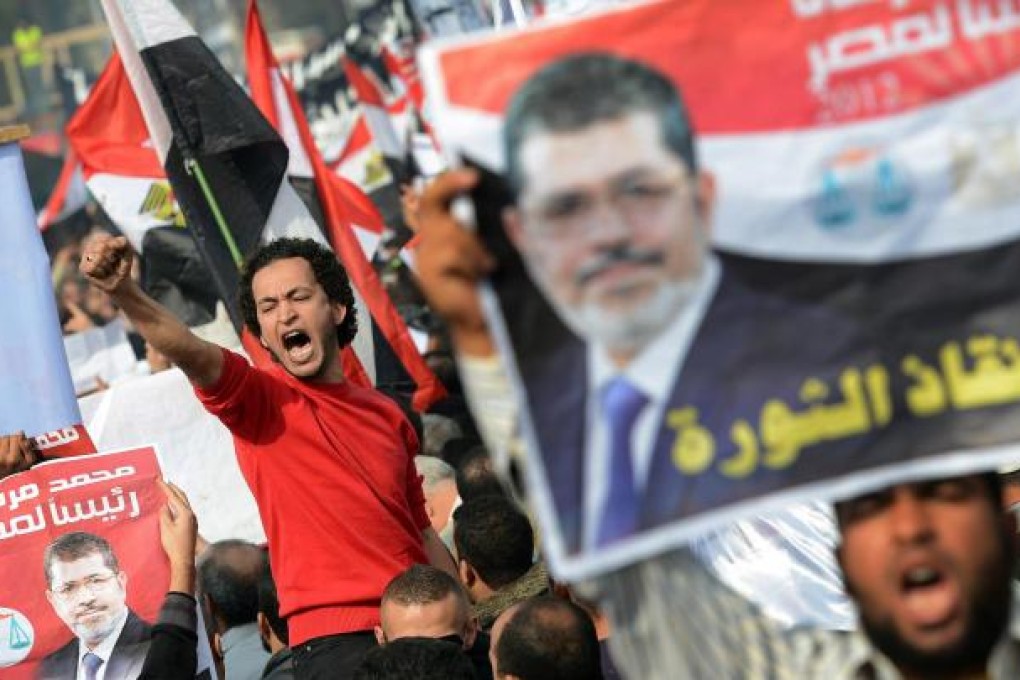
<point>106,263</point>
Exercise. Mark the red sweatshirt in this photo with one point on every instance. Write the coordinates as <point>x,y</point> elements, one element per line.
<point>332,471</point>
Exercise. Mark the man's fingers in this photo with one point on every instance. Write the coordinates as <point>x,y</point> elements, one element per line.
<point>28,451</point>
<point>103,256</point>
<point>166,516</point>
<point>175,496</point>
<point>435,202</point>
<point>17,453</point>
<point>172,506</point>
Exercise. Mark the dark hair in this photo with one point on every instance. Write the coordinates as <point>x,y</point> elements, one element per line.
<point>269,604</point>
<point>458,449</point>
<point>229,574</point>
<point>422,584</point>
<point>75,546</point>
<point>495,538</point>
<point>418,658</point>
<point>329,274</point>
<point>549,637</point>
<point>476,477</point>
<point>583,89</point>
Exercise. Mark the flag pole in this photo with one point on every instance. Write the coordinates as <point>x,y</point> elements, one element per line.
<point>195,170</point>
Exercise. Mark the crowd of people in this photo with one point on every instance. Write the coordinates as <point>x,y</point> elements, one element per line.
<point>433,494</point>
<point>928,564</point>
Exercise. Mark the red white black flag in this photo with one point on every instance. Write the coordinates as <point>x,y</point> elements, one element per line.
<point>349,216</point>
<point>225,162</point>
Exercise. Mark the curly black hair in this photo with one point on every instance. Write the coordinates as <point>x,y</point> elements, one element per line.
<point>329,273</point>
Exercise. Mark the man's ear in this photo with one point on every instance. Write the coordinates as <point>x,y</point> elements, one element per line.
<point>706,201</point>
<point>339,313</point>
<point>380,636</point>
<point>514,228</point>
<point>467,573</point>
<point>122,579</point>
<point>470,633</point>
<point>51,598</point>
<point>265,630</point>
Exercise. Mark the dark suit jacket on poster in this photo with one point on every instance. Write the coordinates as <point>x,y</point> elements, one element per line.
<point>751,346</point>
<point>125,662</point>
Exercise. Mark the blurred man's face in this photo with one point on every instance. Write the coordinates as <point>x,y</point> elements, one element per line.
<point>297,319</point>
<point>88,597</point>
<point>928,565</point>
<point>445,618</point>
<point>612,227</point>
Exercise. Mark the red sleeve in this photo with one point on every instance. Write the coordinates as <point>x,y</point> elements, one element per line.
<point>416,497</point>
<point>239,398</point>
<point>415,492</point>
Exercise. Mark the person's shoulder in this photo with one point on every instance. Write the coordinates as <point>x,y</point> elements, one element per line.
<point>239,371</point>
<point>53,661</point>
<point>371,398</point>
<point>61,664</point>
<point>280,666</point>
<point>136,629</point>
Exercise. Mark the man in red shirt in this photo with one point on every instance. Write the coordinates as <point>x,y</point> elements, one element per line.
<point>331,465</point>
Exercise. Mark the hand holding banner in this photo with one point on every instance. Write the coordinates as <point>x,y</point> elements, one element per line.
<point>786,288</point>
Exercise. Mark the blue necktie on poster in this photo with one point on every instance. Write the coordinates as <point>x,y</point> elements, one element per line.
<point>622,403</point>
<point>91,662</point>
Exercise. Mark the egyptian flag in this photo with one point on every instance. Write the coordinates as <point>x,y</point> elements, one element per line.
<point>36,393</point>
<point>360,161</point>
<point>352,222</point>
<point>423,147</point>
<point>379,116</point>
<point>404,69</point>
<point>118,163</point>
<point>118,160</point>
<point>69,195</point>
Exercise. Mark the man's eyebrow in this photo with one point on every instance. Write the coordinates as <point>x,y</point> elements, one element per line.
<point>301,288</point>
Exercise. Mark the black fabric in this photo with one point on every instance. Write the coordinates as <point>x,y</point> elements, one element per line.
<point>609,670</point>
<point>173,654</point>
<point>244,160</point>
<point>280,666</point>
<point>174,274</point>
<point>479,655</point>
<point>333,657</point>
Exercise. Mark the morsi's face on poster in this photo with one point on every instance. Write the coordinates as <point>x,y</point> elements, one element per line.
<point>611,220</point>
<point>88,595</point>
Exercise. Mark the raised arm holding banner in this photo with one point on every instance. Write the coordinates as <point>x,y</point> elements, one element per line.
<point>669,387</point>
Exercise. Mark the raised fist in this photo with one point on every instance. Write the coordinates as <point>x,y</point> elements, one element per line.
<point>106,262</point>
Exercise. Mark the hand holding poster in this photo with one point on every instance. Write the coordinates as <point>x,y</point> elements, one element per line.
<point>81,564</point>
<point>858,311</point>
